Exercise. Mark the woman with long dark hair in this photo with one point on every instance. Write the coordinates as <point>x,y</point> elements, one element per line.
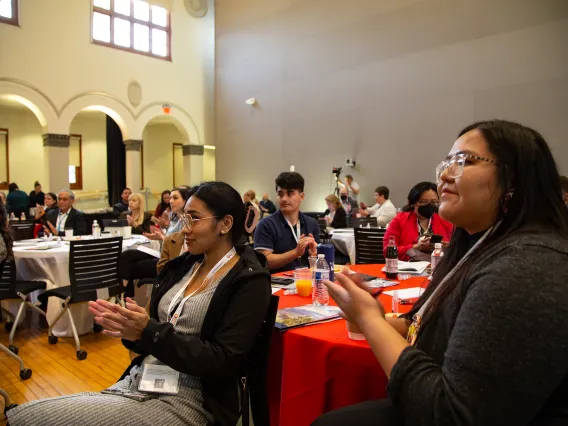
<point>203,319</point>
<point>163,205</point>
<point>486,342</point>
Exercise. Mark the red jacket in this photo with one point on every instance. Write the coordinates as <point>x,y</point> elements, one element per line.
<point>404,228</point>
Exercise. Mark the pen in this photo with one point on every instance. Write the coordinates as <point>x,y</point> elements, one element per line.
<point>410,301</point>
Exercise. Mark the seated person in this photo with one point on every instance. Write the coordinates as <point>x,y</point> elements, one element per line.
<point>36,196</point>
<point>564,187</point>
<point>266,206</point>
<point>384,210</point>
<point>65,216</point>
<point>50,203</point>
<point>347,202</point>
<point>467,359</point>
<point>203,320</point>
<point>413,227</point>
<point>122,205</point>
<point>137,218</point>
<point>169,220</point>
<point>6,238</point>
<point>164,204</point>
<point>173,246</point>
<point>3,197</point>
<point>335,215</point>
<point>288,237</point>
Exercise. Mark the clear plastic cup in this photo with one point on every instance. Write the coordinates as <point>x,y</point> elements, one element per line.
<point>303,279</point>
<point>312,260</point>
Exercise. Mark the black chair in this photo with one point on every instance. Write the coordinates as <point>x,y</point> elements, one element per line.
<point>363,222</point>
<point>256,366</point>
<point>369,245</point>
<point>11,288</point>
<point>23,230</point>
<point>93,273</point>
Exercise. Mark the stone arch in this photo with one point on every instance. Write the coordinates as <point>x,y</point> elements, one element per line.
<point>180,118</point>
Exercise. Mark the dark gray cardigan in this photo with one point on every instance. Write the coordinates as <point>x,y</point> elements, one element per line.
<point>497,353</point>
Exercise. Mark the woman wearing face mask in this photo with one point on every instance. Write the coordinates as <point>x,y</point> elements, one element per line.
<point>486,343</point>
<point>414,227</point>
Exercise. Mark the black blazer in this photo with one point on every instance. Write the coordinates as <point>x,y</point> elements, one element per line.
<point>340,219</point>
<point>75,220</point>
<point>233,320</point>
<point>140,229</point>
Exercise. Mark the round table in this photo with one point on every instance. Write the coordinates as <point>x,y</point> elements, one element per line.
<point>344,241</point>
<point>52,266</point>
<point>317,368</point>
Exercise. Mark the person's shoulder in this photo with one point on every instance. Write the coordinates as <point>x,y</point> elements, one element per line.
<point>310,220</point>
<point>269,221</point>
<point>147,216</point>
<point>123,215</point>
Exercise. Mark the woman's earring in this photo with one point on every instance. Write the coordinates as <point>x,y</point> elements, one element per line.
<point>505,201</point>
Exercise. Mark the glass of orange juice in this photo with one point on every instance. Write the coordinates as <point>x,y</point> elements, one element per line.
<point>303,278</point>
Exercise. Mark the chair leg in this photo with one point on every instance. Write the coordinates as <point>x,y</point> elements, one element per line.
<point>16,322</point>
<point>6,398</point>
<point>49,331</point>
<point>74,330</point>
<point>36,308</point>
<point>13,355</point>
<point>8,315</point>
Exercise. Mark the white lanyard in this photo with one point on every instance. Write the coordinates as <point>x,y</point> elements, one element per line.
<point>455,268</point>
<point>173,318</point>
<point>61,217</point>
<point>420,228</point>
<point>297,231</point>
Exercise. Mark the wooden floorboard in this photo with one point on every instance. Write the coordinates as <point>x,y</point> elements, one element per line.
<point>56,370</point>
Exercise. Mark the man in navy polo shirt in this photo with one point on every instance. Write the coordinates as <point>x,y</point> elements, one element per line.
<point>287,237</point>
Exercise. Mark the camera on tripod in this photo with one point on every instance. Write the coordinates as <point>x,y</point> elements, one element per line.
<point>337,171</point>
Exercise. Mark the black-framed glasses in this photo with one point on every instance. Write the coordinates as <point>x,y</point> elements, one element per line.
<point>426,202</point>
<point>187,221</point>
<point>454,166</point>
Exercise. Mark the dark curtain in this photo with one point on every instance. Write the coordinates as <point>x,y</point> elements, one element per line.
<point>116,161</point>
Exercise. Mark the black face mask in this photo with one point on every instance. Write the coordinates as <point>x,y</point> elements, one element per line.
<point>428,210</point>
<point>344,197</point>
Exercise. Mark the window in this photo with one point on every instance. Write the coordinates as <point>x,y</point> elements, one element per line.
<point>133,25</point>
<point>75,162</point>
<point>4,159</point>
<point>9,12</point>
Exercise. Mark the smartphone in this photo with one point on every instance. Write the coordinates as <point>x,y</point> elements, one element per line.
<point>436,239</point>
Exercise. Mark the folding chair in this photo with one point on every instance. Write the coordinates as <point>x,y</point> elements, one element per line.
<point>256,366</point>
<point>7,404</point>
<point>25,373</point>
<point>369,245</point>
<point>23,230</point>
<point>10,288</point>
<point>93,273</point>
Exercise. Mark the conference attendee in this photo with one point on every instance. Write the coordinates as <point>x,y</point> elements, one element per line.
<point>169,222</point>
<point>139,219</point>
<point>335,215</point>
<point>65,216</point>
<point>414,227</point>
<point>466,359</point>
<point>164,204</point>
<point>3,197</point>
<point>122,205</point>
<point>17,201</point>
<point>201,324</point>
<point>36,197</point>
<point>347,202</point>
<point>384,210</point>
<point>250,197</point>
<point>6,239</point>
<point>288,237</point>
<point>50,203</point>
<point>266,206</point>
<point>351,186</point>
<point>564,187</point>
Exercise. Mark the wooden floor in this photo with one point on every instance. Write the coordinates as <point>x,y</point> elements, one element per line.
<point>56,370</point>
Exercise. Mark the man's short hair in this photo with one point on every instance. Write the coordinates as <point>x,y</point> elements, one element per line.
<point>126,189</point>
<point>564,184</point>
<point>349,177</point>
<point>71,194</point>
<point>290,181</point>
<point>383,190</point>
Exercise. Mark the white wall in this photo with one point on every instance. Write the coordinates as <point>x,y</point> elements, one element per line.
<point>208,165</point>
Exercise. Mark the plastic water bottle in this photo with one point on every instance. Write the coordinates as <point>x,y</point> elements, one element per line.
<point>23,216</point>
<point>437,255</point>
<point>320,296</point>
<point>96,230</point>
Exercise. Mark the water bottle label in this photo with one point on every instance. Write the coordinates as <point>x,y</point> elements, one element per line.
<point>392,265</point>
<point>319,275</point>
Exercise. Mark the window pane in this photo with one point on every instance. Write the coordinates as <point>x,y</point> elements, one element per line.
<point>103,4</point>
<point>121,32</point>
<point>122,6</point>
<point>141,37</point>
<point>6,8</point>
<point>72,175</point>
<point>141,10</point>
<point>159,16</point>
<point>159,42</point>
<point>101,27</point>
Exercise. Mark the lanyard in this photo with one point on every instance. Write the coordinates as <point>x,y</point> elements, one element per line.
<point>420,231</point>
<point>60,220</point>
<point>296,233</point>
<point>455,268</point>
<point>173,318</point>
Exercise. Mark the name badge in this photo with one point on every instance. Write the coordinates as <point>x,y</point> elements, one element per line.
<point>159,379</point>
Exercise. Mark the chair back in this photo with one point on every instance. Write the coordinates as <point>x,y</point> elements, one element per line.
<point>363,222</point>
<point>93,268</point>
<point>369,245</point>
<point>256,366</point>
<point>7,279</point>
<point>23,230</point>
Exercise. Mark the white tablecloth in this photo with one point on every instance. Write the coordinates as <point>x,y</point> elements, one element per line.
<point>344,241</point>
<point>52,266</point>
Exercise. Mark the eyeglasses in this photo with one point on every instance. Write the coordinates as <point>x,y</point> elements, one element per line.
<point>454,166</point>
<point>188,222</point>
<point>426,202</point>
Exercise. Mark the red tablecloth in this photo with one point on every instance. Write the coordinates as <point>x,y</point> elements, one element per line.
<point>316,369</point>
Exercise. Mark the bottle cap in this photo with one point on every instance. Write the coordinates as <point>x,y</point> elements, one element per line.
<point>321,256</point>
<point>438,245</point>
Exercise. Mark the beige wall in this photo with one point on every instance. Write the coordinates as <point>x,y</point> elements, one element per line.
<point>26,149</point>
<point>386,82</point>
<point>208,165</point>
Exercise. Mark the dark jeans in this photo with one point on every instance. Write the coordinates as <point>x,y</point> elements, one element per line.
<point>135,265</point>
<point>380,412</point>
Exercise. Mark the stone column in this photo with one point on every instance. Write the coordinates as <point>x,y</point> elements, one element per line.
<point>56,161</point>
<point>133,166</point>
<point>193,164</point>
